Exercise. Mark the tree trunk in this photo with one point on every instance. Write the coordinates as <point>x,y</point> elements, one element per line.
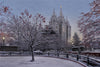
<point>32,53</point>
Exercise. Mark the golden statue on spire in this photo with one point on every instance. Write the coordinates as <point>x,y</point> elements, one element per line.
<point>60,6</point>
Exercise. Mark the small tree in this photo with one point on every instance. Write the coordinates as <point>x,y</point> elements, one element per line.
<point>4,13</point>
<point>76,40</point>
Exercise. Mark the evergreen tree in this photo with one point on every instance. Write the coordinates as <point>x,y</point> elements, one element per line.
<point>76,39</point>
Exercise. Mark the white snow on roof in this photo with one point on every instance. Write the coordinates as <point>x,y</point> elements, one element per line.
<point>24,61</point>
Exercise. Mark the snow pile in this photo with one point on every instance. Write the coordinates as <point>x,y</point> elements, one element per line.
<point>23,61</point>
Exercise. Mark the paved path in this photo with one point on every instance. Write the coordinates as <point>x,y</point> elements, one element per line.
<point>24,61</point>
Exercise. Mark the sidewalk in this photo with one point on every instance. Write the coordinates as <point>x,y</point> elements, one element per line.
<point>24,61</point>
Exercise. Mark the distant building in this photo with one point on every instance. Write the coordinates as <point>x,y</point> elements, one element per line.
<point>61,26</point>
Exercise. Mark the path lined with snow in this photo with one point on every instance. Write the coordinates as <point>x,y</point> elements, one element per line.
<point>24,61</point>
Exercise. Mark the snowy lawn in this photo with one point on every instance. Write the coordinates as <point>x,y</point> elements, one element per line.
<point>24,61</point>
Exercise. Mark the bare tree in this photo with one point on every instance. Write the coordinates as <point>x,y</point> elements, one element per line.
<point>4,13</point>
<point>89,24</point>
<point>27,29</point>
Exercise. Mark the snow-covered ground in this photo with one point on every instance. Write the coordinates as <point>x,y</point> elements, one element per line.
<point>24,61</point>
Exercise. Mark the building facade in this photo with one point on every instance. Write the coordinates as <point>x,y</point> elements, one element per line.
<point>61,26</point>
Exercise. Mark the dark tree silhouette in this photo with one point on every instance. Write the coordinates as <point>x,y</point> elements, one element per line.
<point>76,40</point>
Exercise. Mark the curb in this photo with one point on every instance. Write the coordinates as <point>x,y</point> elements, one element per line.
<point>68,59</point>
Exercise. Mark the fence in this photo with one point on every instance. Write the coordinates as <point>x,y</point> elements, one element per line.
<point>75,57</point>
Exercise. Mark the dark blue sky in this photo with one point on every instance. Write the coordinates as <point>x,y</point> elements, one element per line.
<point>71,8</point>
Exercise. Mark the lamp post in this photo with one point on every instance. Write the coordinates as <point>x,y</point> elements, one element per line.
<point>72,42</point>
<point>3,38</point>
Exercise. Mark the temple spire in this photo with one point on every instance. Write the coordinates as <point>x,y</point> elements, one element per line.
<point>54,12</point>
<point>61,11</point>
<point>66,19</point>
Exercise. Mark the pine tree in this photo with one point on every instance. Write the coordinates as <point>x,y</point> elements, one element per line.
<point>76,40</point>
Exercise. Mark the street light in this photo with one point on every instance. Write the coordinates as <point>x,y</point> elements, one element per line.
<point>3,38</point>
<point>72,43</point>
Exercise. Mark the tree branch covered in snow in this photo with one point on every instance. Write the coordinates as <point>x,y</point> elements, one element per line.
<point>26,28</point>
<point>89,23</point>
